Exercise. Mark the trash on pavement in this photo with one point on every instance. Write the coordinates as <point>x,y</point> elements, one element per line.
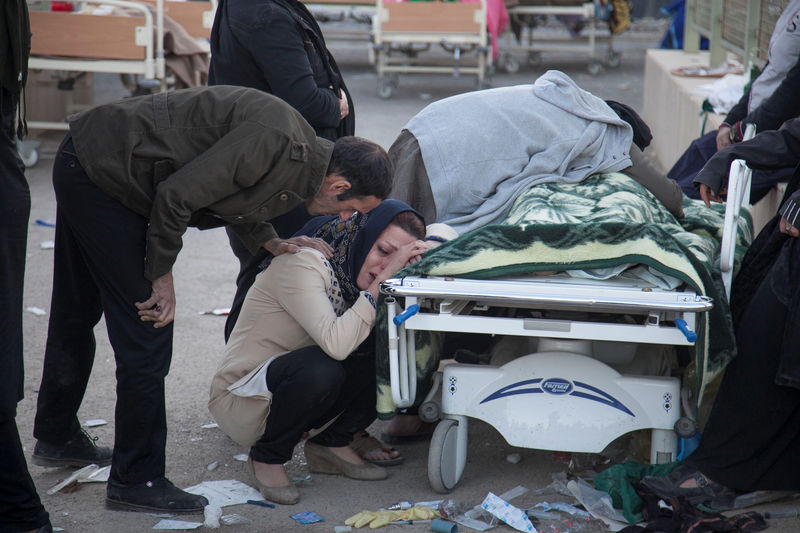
<point>98,476</point>
<point>513,458</point>
<point>383,517</point>
<point>235,519</point>
<point>598,503</point>
<point>211,516</point>
<point>221,311</point>
<point>38,311</point>
<point>308,517</point>
<point>94,422</point>
<point>243,457</point>
<point>212,466</point>
<point>225,492</point>
<point>47,245</point>
<point>176,524</point>
<point>47,223</point>
<point>210,426</point>
<point>70,483</point>
<point>513,516</point>
<point>443,526</point>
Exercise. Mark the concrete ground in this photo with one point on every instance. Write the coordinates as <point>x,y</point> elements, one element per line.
<point>204,280</point>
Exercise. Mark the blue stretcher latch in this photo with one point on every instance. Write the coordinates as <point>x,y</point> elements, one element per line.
<point>408,313</point>
<point>681,324</point>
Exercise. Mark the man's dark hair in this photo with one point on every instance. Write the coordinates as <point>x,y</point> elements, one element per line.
<point>365,165</point>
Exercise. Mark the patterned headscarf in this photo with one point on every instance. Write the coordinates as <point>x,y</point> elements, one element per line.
<point>352,239</point>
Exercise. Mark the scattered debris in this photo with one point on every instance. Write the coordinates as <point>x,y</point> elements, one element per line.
<point>308,517</point>
<point>513,516</point>
<point>210,426</point>
<point>234,520</point>
<point>47,245</point>
<point>98,476</point>
<point>261,503</point>
<point>47,223</point>
<point>211,516</point>
<point>225,492</point>
<point>221,311</point>
<point>513,458</point>
<point>70,483</point>
<point>213,466</point>
<point>38,311</point>
<point>241,457</point>
<point>94,422</point>
<point>177,524</point>
<point>598,503</point>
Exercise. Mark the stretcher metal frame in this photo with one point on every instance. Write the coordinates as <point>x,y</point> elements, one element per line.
<point>397,45</point>
<point>561,397</point>
<point>535,46</point>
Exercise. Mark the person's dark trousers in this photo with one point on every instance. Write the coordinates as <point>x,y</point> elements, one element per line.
<point>99,269</point>
<point>285,226</point>
<point>694,158</point>
<point>20,507</point>
<point>309,388</point>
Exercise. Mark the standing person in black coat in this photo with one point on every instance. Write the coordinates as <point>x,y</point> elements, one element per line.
<point>20,507</point>
<point>277,46</point>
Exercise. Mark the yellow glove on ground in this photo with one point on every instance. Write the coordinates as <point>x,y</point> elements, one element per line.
<point>377,519</point>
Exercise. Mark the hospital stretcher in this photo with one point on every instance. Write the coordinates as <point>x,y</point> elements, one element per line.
<point>565,396</point>
<point>533,43</point>
<point>99,41</point>
<point>403,31</point>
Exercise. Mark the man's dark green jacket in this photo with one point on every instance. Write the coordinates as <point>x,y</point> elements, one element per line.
<point>202,157</point>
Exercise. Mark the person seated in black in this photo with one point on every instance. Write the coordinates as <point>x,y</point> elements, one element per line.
<point>752,438</point>
<point>770,100</point>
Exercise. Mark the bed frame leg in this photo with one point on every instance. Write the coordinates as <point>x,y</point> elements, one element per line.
<point>663,446</point>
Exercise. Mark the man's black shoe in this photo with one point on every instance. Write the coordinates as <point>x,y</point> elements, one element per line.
<point>80,450</point>
<point>157,495</point>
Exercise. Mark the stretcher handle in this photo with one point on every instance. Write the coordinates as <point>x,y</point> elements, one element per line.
<point>405,315</point>
<point>681,324</point>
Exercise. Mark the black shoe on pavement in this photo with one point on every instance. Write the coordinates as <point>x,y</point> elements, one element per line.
<point>157,495</point>
<point>80,450</point>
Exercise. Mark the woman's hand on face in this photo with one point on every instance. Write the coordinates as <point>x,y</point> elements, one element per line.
<point>403,256</point>
<point>788,229</point>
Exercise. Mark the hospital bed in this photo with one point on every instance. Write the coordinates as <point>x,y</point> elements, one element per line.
<point>567,395</point>
<point>404,31</point>
<point>101,41</point>
<point>529,14</point>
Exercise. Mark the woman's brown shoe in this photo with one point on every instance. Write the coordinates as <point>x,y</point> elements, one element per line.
<point>285,494</point>
<point>322,460</point>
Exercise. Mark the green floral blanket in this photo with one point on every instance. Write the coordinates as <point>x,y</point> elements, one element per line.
<point>604,221</point>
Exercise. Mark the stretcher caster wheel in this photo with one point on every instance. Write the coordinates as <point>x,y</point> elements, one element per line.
<point>429,411</point>
<point>385,90</point>
<point>685,427</point>
<point>613,59</point>
<point>510,64</point>
<point>534,58</point>
<point>443,468</point>
<point>593,68</point>
<point>28,153</point>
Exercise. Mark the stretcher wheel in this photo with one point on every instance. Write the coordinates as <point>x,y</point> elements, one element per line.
<point>510,64</point>
<point>385,90</point>
<point>613,59</point>
<point>443,472</point>
<point>685,427</point>
<point>594,68</point>
<point>429,411</point>
<point>534,58</point>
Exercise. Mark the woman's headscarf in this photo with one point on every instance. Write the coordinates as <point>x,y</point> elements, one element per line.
<point>352,239</point>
